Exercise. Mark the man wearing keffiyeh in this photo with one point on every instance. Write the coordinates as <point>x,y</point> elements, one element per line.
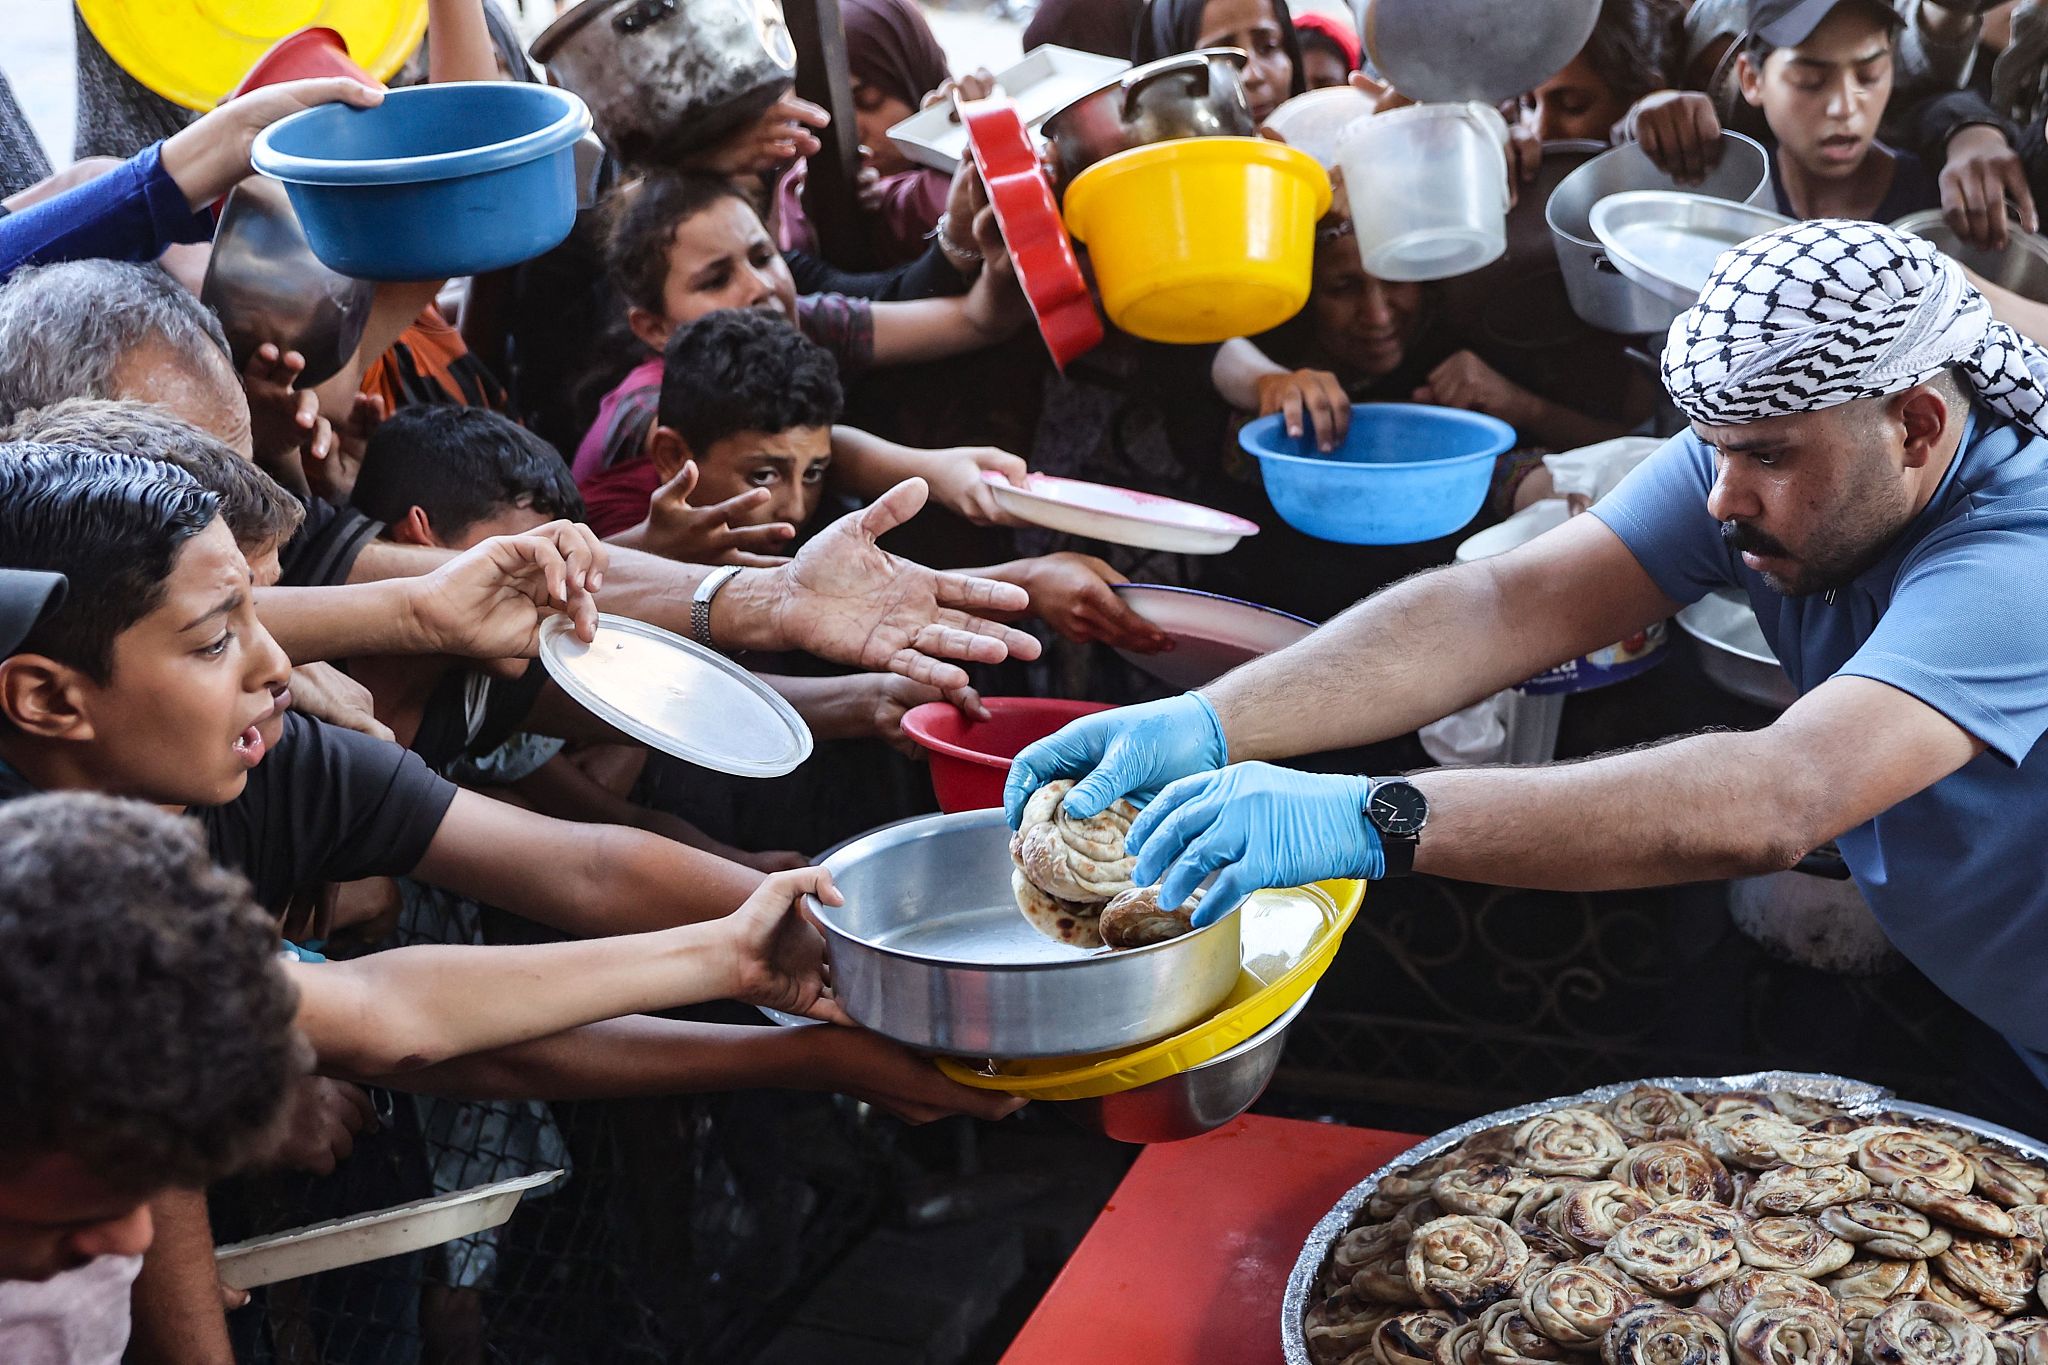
<point>1868,464</point>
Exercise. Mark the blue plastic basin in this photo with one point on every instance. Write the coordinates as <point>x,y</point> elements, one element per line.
<point>438,180</point>
<point>1406,472</point>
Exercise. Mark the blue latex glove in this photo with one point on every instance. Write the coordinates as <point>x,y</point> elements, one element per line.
<point>1132,751</point>
<point>1257,825</point>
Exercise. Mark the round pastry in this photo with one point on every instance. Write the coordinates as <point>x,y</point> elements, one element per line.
<point>1464,1262</point>
<point>1658,1334</point>
<point>1462,1345</point>
<point>1486,1147</point>
<point>1541,1263</point>
<point>1362,1244</point>
<point>1884,1282</point>
<point>1536,1219</point>
<point>1888,1155</point>
<point>2007,1179</point>
<point>1590,1214</point>
<point>1507,1337</point>
<point>1651,1113</point>
<point>1411,1338</point>
<point>2023,1341</point>
<point>1384,1278</point>
<point>1998,1271</point>
<point>1053,917</point>
<point>1795,1245</point>
<point>1917,1332</point>
<point>1706,1211</point>
<point>1670,1170</point>
<point>1885,1227</point>
<point>1723,1101</point>
<point>1941,1290</point>
<point>1404,1185</point>
<point>1673,1253</point>
<point>1804,1110</point>
<point>1339,1326</point>
<point>1751,1136</point>
<point>1796,1189</point>
<point>2032,1221</point>
<point>1965,1211</point>
<point>1569,1142</point>
<point>1726,1301</point>
<point>1134,919</point>
<point>1574,1305</point>
<point>1788,1334</point>
<point>1073,860</point>
<point>1491,1190</point>
<point>1811,1149</point>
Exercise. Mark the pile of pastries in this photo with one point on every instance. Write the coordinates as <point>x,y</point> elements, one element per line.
<point>1072,878</point>
<point>1661,1228</point>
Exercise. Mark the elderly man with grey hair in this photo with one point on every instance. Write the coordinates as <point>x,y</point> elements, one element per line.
<point>108,329</point>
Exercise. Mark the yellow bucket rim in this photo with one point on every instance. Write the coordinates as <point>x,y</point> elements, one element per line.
<point>161,42</point>
<point>1083,1078</point>
<point>1089,184</point>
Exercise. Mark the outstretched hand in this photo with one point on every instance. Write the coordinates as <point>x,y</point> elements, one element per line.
<point>675,529</point>
<point>778,954</point>
<point>489,601</point>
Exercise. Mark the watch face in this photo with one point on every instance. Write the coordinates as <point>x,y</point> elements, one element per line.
<point>1398,809</point>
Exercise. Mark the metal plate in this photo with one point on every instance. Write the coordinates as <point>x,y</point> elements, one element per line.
<point>1211,634</point>
<point>675,695</point>
<point>1857,1097</point>
<point>1733,651</point>
<point>363,1237</point>
<point>1042,83</point>
<point>1669,242</point>
<point>1450,50</point>
<point>1121,516</point>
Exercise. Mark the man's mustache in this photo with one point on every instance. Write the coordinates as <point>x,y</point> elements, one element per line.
<point>1742,537</point>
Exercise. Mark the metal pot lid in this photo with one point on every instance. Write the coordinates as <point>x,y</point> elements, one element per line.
<point>1669,243</point>
<point>1449,50</point>
<point>675,695</point>
<point>1141,75</point>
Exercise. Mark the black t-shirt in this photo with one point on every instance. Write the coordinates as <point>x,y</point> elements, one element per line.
<point>447,730</point>
<point>324,548</point>
<point>325,805</point>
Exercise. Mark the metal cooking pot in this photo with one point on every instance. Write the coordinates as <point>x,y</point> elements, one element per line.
<point>1450,51</point>
<point>1599,293</point>
<point>664,78</point>
<point>1195,94</point>
<point>1733,651</point>
<point>1196,1101</point>
<point>2022,267</point>
<point>266,285</point>
<point>930,949</point>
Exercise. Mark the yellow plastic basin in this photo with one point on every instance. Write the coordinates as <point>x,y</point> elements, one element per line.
<point>1200,239</point>
<point>193,52</point>
<point>1289,939</point>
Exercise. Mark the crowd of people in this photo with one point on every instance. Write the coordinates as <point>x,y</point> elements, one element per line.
<point>288,808</point>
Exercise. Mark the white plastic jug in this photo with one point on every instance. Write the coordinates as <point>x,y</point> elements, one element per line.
<point>1428,187</point>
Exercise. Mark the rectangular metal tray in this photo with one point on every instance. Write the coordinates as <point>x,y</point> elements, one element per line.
<point>1039,85</point>
<point>1856,1097</point>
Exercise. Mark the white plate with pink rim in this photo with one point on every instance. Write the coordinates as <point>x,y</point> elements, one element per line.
<point>1121,516</point>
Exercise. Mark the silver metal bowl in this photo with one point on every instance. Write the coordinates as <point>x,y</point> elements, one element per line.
<point>1192,94</point>
<point>266,285</point>
<point>1734,654</point>
<point>2022,267</point>
<point>1196,1101</point>
<point>930,949</point>
<point>1669,242</point>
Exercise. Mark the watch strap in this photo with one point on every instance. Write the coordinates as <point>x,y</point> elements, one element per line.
<point>700,603</point>
<point>1399,855</point>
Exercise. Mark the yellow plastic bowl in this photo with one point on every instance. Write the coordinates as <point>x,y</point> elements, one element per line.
<point>1201,239</point>
<point>193,52</point>
<point>1269,984</point>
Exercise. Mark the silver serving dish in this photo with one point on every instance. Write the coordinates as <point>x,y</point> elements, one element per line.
<point>664,78</point>
<point>2022,267</point>
<point>1211,634</point>
<point>1733,651</point>
<point>1601,295</point>
<point>930,949</point>
<point>1857,1097</point>
<point>1198,1100</point>
<point>1669,242</point>
<point>266,285</point>
<point>1488,50</point>
<point>1194,94</point>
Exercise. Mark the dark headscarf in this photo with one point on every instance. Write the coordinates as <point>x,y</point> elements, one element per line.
<point>891,47</point>
<point>1100,26</point>
<point>1170,27</point>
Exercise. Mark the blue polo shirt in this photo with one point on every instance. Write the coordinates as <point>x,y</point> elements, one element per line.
<point>1952,615</point>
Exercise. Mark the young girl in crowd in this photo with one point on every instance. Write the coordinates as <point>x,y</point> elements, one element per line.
<point>685,246</point>
<point>1264,29</point>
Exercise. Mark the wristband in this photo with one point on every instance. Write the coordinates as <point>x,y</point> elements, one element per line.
<point>700,602</point>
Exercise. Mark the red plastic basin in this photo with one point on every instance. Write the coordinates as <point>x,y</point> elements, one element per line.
<point>970,759</point>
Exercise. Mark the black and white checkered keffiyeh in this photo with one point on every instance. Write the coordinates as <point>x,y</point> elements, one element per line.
<point>1830,311</point>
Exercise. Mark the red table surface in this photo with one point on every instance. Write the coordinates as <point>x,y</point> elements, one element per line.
<point>1189,1260</point>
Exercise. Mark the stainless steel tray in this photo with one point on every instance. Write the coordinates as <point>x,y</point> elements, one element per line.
<point>1669,243</point>
<point>1856,1097</point>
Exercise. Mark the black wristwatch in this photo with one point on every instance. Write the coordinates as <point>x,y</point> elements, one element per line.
<point>1398,810</point>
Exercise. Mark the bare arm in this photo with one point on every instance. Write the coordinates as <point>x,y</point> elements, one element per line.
<point>176,1302</point>
<point>1438,642</point>
<point>581,879</point>
<point>1707,806</point>
<point>910,331</point>
<point>343,622</point>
